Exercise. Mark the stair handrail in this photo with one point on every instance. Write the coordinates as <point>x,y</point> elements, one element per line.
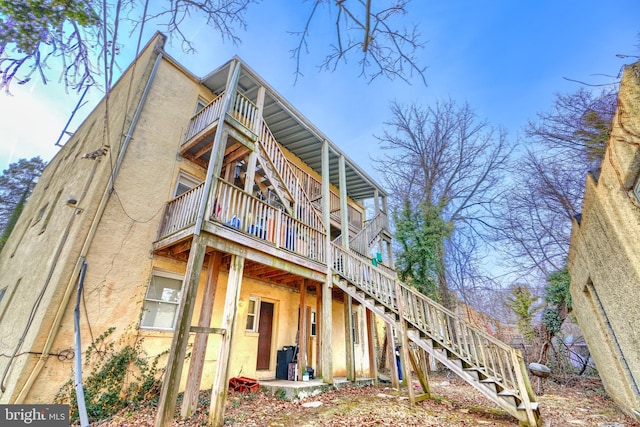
<point>304,206</point>
<point>360,272</point>
<point>361,242</point>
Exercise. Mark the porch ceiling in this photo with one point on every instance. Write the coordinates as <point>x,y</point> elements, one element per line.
<point>295,132</point>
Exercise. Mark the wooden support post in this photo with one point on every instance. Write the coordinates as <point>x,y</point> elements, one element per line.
<point>318,372</point>
<point>302,331</point>
<point>422,376</point>
<point>194,378</point>
<point>371,342</point>
<point>349,338</point>
<point>404,352</point>
<point>221,379</point>
<point>251,172</point>
<point>173,372</point>
<point>391,357</point>
<point>344,211</point>
<point>327,332</point>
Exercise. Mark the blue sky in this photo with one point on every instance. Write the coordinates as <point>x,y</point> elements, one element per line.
<point>506,58</point>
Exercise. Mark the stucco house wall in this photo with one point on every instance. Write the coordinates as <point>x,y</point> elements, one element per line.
<point>53,237</point>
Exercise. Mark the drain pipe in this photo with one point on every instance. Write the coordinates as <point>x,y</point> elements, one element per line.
<point>53,331</point>
<point>82,408</point>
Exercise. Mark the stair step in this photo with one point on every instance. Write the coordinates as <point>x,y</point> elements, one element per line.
<point>534,406</point>
<point>507,393</point>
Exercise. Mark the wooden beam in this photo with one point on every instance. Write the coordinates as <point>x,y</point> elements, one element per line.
<point>173,372</point>
<point>230,241</point>
<point>391,357</point>
<point>349,338</point>
<point>344,209</point>
<point>236,155</point>
<point>209,331</point>
<point>404,352</point>
<point>180,248</point>
<point>196,364</point>
<point>371,343</point>
<point>327,333</point>
<point>302,331</point>
<point>319,331</point>
<point>231,148</point>
<point>221,379</point>
<point>422,376</point>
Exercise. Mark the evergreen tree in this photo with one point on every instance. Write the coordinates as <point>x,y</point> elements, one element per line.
<point>522,303</point>
<point>16,183</point>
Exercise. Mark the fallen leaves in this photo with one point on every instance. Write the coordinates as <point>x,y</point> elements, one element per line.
<point>454,403</point>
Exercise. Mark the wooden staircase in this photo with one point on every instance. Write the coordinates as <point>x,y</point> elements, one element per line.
<point>276,166</point>
<point>491,366</point>
<point>364,240</point>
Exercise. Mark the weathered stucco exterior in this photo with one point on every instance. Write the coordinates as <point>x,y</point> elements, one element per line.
<point>604,257</point>
<point>73,217</point>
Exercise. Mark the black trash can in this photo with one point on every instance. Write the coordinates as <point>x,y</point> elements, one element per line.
<point>285,356</point>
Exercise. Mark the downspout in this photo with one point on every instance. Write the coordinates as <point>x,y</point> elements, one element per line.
<point>82,408</point>
<point>53,331</point>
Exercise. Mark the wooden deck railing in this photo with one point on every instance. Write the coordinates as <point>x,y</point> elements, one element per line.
<point>313,188</point>
<point>361,242</point>
<point>359,271</point>
<point>245,112</point>
<point>485,353</point>
<point>245,213</point>
<point>204,117</point>
<point>181,212</point>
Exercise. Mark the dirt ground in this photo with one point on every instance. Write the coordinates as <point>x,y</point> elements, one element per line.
<point>572,402</point>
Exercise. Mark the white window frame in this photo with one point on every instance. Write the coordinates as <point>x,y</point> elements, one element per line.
<point>255,315</point>
<point>313,324</point>
<point>356,326</point>
<point>200,105</point>
<point>147,299</point>
<point>187,181</point>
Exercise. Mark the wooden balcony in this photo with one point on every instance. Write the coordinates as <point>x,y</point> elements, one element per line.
<point>198,139</point>
<point>243,213</point>
<point>303,187</point>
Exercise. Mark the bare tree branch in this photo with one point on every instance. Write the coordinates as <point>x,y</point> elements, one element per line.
<point>383,47</point>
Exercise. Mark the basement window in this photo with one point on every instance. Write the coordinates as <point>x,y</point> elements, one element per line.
<point>252,314</point>
<point>162,301</point>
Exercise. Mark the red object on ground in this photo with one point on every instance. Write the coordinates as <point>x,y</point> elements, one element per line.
<point>243,384</point>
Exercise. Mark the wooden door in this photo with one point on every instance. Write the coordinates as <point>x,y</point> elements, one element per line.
<point>265,329</point>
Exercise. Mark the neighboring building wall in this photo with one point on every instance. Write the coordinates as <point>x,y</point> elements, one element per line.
<point>604,258</point>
